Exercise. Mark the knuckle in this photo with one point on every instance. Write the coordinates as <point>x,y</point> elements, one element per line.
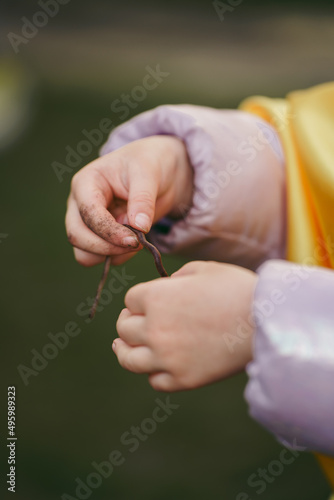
<point>144,198</point>
<point>130,296</point>
<point>75,180</point>
<point>119,327</point>
<point>130,365</point>
<point>71,237</point>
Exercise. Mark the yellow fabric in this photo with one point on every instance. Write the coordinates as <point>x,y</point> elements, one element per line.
<point>305,124</point>
<point>327,464</point>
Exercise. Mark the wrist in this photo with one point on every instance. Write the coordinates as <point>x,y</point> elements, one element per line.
<point>183,180</point>
<point>241,347</point>
<point>246,353</point>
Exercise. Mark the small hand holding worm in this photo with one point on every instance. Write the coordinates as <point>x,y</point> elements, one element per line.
<point>173,328</point>
<point>135,185</point>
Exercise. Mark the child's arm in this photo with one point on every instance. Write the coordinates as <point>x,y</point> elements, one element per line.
<point>136,184</point>
<point>197,327</point>
<point>180,329</point>
<point>238,170</point>
<point>291,387</point>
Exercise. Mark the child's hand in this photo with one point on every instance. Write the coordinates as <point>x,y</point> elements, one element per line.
<point>175,328</point>
<point>136,184</point>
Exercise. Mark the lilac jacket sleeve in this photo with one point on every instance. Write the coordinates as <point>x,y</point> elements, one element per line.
<point>238,169</point>
<point>291,386</point>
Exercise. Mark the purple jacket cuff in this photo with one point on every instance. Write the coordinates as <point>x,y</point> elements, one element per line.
<point>291,386</point>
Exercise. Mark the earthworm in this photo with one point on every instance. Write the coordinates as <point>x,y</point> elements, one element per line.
<point>157,260</point>
<point>154,251</point>
<point>100,287</point>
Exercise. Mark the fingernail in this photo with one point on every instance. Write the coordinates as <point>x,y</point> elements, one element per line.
<point>113,346</point>
<point>143,222</point>
<point>130,241</point>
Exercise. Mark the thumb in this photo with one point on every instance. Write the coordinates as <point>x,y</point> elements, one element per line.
<point>143,191</point>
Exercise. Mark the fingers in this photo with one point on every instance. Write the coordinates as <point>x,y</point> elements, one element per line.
<point>90,259</point>
<point>143,191</point>
<point>117,260</point>
<point>135,359</point>
<point>87,259</point>
<point>137,297</point>
<point>163,381</point>
<point>131,328</point>
<point>80,236</point>
<point>141,296</point>
<point>92,195</point>
<point>140,360</point>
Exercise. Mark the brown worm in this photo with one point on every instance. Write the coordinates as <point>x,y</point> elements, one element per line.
<point>157,260</point>
<point>100,287</point>
<point>154,251</point>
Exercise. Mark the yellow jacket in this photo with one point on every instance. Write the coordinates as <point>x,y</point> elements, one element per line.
<point>305,124</point>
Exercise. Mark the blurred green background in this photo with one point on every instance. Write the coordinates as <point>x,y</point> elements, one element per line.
<point>62,80</point>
